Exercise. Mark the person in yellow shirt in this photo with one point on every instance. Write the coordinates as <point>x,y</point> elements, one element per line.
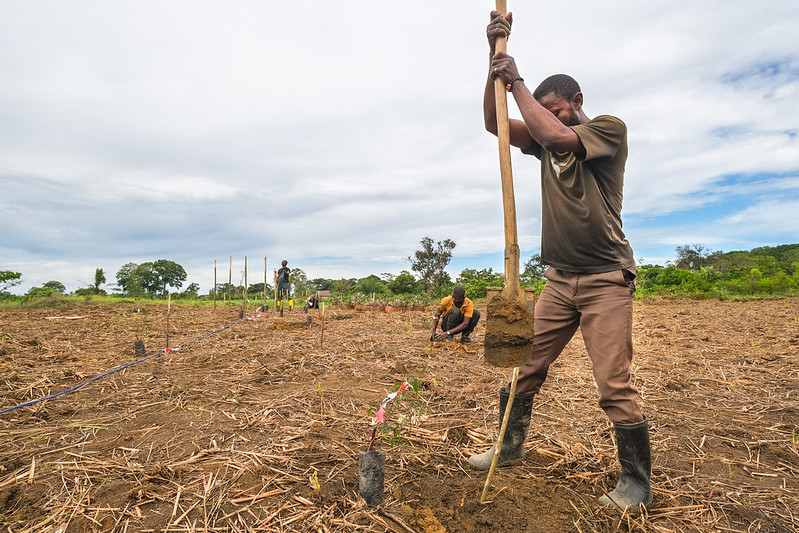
<point>457,315</point>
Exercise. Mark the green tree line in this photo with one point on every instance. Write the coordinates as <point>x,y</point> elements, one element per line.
<point>696,272</point>
<point>701,273</point>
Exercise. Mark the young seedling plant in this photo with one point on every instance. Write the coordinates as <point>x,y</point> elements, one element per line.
<point>392,429</point>
<point>372,462</point>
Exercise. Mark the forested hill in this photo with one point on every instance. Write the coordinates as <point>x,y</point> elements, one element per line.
<point>697,272</point>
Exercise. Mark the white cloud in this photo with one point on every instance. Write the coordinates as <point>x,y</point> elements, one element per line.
<point>767,216</point>
<point>337,136</point>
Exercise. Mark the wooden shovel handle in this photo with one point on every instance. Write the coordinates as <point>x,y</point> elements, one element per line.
<point>503,426</point>
<point>508,200</point>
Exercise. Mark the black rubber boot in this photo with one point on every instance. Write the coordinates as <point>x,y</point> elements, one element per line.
<point>512,451</point>
<point>635,457</point>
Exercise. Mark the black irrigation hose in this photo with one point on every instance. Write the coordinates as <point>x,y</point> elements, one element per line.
<point>79,385</point>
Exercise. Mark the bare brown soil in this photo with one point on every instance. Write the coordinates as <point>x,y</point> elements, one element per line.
<point>259,426</point>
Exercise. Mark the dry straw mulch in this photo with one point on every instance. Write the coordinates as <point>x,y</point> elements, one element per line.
<point>259,426</point>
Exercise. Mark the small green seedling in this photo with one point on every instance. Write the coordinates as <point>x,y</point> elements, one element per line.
<point>314,479</point>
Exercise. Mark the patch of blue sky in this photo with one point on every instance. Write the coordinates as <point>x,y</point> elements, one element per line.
<point>748,130</point>
<point>774,71</point>
<point>753,186</point>
<point>729,216</point>
<point>706,214</point>
<point>731,131</point>
<point>724,195</point>
<point>705,220</point>
<point>494,261</point>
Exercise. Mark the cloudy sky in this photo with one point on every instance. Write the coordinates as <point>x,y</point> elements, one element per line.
<point>337,135</point>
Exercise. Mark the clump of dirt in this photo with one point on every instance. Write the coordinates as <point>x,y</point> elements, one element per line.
<point>427,522</point>
<point>509,331</point>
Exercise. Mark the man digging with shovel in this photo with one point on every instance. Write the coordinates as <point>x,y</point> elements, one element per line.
<point>591,269</point>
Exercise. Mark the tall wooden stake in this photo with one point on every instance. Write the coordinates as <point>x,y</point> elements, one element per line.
<point>244,295</point>
<point>230,281</point>
<point>322,333</point>
<point>275,288</point>
<point>168,307</point>
<point>214,283</point>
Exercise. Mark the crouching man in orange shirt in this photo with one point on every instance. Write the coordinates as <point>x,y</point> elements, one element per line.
<point>457,315</point>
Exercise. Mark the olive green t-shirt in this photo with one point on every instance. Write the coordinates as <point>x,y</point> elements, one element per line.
<point>581,228</point>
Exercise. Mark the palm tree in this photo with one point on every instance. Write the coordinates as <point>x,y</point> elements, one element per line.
<point>99,279</point>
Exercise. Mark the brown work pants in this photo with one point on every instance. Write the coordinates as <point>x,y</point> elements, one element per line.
<point>601,305</point>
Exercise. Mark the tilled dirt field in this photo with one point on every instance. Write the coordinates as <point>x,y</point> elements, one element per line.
<point>259,426</point>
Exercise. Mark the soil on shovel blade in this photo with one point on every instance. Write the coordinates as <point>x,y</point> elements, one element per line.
<point>509,332</point>
<point>258,426</point>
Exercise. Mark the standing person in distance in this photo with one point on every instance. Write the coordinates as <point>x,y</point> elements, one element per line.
<point>284,285</point>
<point>591,268</point>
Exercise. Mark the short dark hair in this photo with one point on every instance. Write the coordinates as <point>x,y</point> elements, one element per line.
<point>459,291</point>
<point>563,85</point>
